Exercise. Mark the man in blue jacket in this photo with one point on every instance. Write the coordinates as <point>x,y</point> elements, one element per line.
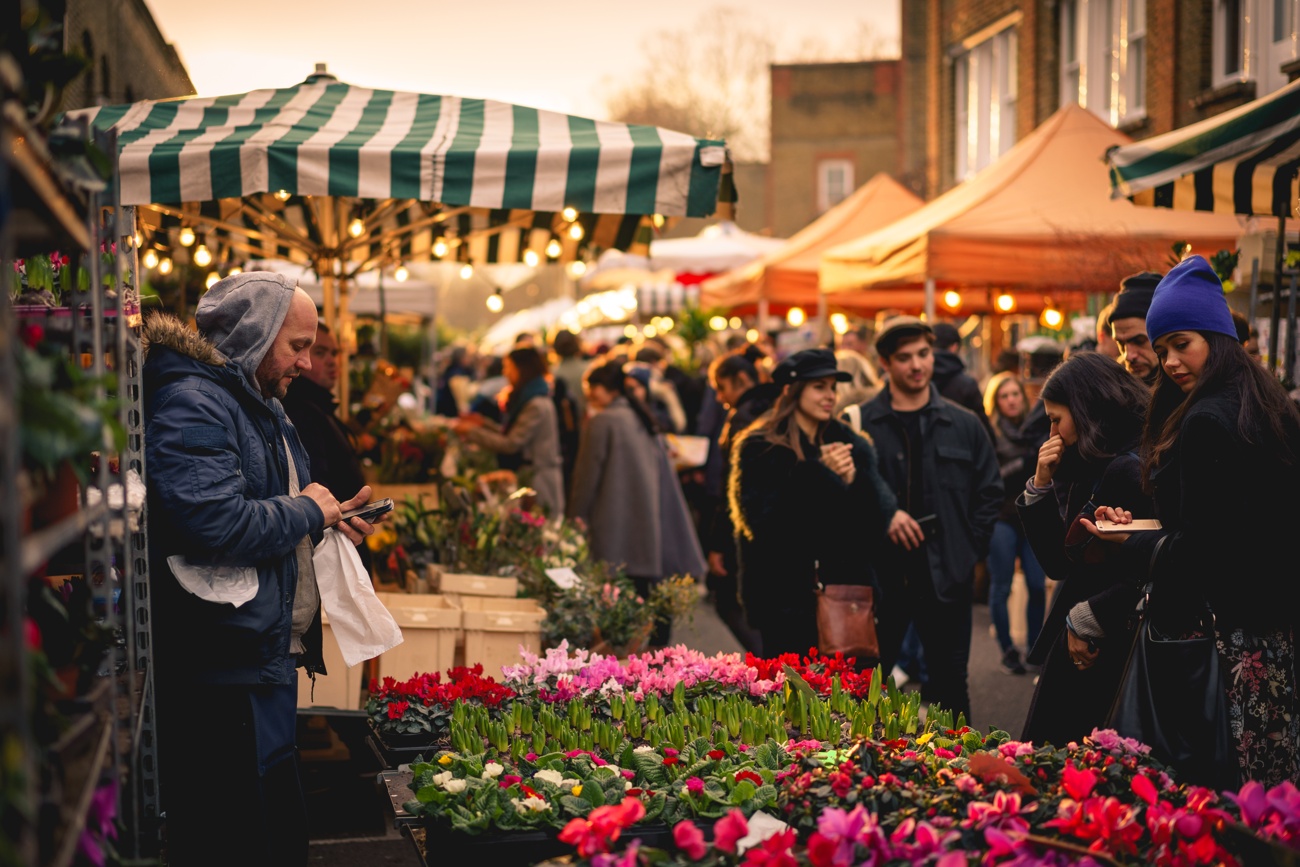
<point>941,465</point>
<point>233,518</point>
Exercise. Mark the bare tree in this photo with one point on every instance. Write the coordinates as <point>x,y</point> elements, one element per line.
<point>713,81</point>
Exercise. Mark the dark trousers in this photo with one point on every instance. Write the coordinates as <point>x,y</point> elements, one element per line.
<point>944,628</point>
<point>223,805</point>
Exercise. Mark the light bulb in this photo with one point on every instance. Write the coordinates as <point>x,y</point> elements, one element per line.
<point>495,302</point>
<point>650,331</point>
<point>717,323</point>
<point>795,317</point>
<point>149,259</point>
<point>164,266</point>
<point>282,195</point>
<point>400,274</point>
<point>212,279</point>
<point>752,335</point>
<point>840,323</point>
<point>952,299</point>
<point>553,249</point>
<point>577,268</point>
<point>735,322</point>
<point>466,271</point>
<point>202,256</point>
<point>1005,303</point>
<point>440,248</point>
<point>629,330</point>
<point>357,228</point>
<point>570,214</point>
<point>139,240</point>
<point>575,231</point>
<point>531,258</point>
<point>1052,317</point>
<point>235,270</point>
<point>186,236</point>
<point>658,220</point>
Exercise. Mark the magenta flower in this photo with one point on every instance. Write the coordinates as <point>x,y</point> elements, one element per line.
<point>689,839</point>
<point>729,830</point>
<point>694,785</point>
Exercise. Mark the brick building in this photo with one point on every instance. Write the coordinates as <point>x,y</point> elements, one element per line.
<point>978,75</point>
<point>834,125</point>
<point>129,57</point>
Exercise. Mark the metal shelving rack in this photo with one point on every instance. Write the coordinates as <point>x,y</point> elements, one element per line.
<point>103,326</point>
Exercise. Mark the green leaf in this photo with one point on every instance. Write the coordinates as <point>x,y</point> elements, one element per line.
<point>593,793</point>
<point>654,808</point>
<point>577,806</point>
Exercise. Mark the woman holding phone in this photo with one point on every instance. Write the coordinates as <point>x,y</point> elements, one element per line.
<point>1220,460</point>
<point>1096,409</point>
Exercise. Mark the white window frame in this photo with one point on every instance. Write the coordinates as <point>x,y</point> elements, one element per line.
<point>1105,69</point>
<point>825,195</point>
<point>984,101</point>
<point>1259,59</point>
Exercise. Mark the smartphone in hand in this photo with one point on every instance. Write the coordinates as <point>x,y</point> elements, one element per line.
<point>370,511</point>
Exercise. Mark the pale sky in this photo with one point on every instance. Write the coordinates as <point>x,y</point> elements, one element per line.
<point>546,55</point>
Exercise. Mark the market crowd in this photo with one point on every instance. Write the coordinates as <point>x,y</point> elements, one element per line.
<point>879,463</point>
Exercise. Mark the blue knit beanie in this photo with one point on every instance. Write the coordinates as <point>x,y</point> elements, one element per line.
<point>1189,298</point>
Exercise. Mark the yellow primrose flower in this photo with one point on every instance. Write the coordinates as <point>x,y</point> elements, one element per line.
<point>577,790</point>
<point>445,760</point>
<point>924,739</point>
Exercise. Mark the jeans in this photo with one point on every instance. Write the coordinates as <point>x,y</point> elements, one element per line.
<point>911,658</point>
<point>1008,543</point>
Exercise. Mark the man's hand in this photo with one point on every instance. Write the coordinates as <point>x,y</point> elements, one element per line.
<point>328,505</point>
<point>1049,460</point>
<point>354,528</point>
<point>903,530</point>
<point>717,566</point>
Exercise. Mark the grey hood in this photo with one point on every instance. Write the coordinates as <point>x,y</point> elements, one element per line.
<point>242,314</point>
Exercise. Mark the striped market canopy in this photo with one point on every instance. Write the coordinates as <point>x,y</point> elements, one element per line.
<point>1243,161</point>
<point>288,173</point>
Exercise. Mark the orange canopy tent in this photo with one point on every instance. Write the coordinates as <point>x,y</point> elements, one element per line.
<point>1037,223</point>
<point>787,276</point>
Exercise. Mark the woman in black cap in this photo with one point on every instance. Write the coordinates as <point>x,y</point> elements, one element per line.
<point>807,503</point>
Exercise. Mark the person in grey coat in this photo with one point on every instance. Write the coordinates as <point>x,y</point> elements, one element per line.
<point>530,429</point>
<point>616,483</point>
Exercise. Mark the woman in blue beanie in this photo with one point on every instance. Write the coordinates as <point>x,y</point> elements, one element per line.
<point>1220,459</point>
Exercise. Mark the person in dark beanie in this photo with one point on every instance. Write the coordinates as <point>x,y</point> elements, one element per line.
<point>1128,325</point>
<point>1219,456</point>
<point>807,504</point>
<point>233,518</point>
<point>950,375</point>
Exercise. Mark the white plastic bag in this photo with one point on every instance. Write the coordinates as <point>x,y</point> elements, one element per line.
<point>361,624</point>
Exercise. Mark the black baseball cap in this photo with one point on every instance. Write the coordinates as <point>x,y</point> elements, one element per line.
<point>809,364</point>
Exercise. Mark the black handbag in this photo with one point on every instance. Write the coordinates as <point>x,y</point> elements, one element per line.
<point>1172,698</point>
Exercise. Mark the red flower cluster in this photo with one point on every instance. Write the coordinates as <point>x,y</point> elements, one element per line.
<point>602,826</point>
<point>463,684</point>
<point>816,669</point>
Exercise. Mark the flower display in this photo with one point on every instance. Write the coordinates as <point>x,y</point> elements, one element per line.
<point>423,704</point>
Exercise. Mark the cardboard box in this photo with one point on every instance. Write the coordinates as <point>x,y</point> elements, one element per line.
<point>495,628</point>
<point>430,625</point>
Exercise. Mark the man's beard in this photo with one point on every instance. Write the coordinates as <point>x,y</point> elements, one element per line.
<point>271,386</point>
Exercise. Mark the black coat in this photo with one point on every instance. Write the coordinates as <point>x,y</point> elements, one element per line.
<point>960,472</point>
<point>954,383</point>
<point>752,404</point>
<point>1069,703</point>
<point>1230,514</point>
<point>797,522</point>
<point>334,461</point>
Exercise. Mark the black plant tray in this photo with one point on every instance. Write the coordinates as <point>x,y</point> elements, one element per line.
<point>393,750</point>
<point>521,848</point>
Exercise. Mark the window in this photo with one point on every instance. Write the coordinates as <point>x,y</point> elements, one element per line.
<point>1103,57</point>
<point>1253,40</point>
<point>985,102</point>
<point>834,182</point>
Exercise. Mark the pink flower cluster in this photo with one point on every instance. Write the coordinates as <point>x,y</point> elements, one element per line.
<point>840,834</point>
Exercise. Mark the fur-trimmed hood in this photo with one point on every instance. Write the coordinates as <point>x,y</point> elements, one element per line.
<point>163,329</point>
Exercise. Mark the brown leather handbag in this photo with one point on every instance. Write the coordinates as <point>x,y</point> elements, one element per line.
<point>846,620</point>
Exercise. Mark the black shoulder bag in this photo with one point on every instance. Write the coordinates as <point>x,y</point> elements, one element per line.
<point>1172,698</point>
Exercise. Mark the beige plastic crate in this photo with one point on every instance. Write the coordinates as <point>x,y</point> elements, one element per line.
<point>496,627</point>
<point>341,688</point>
<point>430,625</point>
<point>471,585</point>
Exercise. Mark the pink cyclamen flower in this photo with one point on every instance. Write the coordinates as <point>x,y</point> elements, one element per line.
<point>690,840</point>
<point>729,830</point>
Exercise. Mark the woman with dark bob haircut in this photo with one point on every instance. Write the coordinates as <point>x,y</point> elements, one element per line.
<point>1096,408</point>
<point>1220,458</point>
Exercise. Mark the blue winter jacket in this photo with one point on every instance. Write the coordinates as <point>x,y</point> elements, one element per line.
<point>218,482</point>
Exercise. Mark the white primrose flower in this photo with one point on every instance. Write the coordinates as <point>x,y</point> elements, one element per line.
<point>441,779</point>
<point>566,783</point>
<point>546,775</point>
<point>644,748</point>
<point>491,770</point>
<point>627,784</point>
<point>524,806</point>
<point>455,787</point>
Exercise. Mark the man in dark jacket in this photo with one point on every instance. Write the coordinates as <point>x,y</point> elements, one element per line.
<point>233,518</point>
<point>942,467</point>
<point>950,375</point>
<point>735,379</point>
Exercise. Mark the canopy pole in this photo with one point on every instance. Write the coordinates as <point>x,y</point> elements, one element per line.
<point>762,313</point>
<point>929,299</point>
<point>1275,315</point>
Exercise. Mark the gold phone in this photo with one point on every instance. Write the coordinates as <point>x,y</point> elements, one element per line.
<point>1135,526</point>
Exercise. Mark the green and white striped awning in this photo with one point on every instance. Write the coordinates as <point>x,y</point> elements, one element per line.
<point>1243,161</point>
<point>283,173</point>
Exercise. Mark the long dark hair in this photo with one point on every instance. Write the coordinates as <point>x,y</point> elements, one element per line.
<point>529,362</point>
<point>779,425</point>
<point>1108,404</point>
<point>610,375</point>
<point>1267,416</point>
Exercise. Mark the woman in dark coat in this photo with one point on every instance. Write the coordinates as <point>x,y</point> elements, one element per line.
<point>1096,409</point>
<point>1220,457</point>
<point>807,503</point>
